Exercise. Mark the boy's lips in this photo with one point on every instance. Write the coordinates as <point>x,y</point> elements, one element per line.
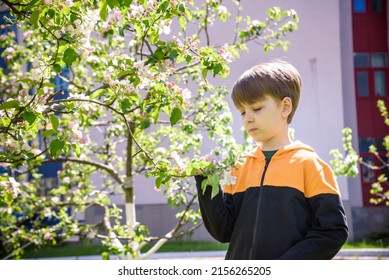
<point>252,129</point>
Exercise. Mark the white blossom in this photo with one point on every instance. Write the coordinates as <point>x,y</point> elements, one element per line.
<point>91,234</point>
<point>69,3</point>
<point>26,147</point>
<point>180,163</point>
<point>58,33</point>
<point>255,23</point>
<point>165,27</point>
<point>222,9</point>
<point>48,236</point>
<point>186,95</point>
<point>66,180</point>
<point>47,212</point>
<point>14,187</point>
<point>227,179</point>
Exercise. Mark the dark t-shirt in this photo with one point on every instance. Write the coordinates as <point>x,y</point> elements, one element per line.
<point>269,154</point>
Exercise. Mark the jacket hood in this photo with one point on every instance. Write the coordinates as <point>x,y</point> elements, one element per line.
<point>296,145</point>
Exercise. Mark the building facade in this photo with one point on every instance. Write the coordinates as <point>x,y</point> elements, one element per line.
<point>341,51</point>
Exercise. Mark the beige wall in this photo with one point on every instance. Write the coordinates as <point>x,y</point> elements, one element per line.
<point>322,50</point>
<point>316,52</point>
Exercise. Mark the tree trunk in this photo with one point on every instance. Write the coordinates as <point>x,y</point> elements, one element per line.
<point>128,185</point>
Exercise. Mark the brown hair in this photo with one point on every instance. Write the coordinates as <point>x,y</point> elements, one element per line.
<point>278,79</point>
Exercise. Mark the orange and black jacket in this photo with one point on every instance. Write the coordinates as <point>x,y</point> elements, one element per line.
<point>288,207</point>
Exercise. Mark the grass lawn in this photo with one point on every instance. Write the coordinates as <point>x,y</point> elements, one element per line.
<point>80,249</point>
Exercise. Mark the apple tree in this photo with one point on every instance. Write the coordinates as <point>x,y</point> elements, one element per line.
<point>113,89</point>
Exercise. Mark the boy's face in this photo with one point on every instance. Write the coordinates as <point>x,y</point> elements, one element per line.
<point>266,121</point>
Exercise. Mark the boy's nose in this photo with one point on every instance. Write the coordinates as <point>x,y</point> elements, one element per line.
<point>248,117</point>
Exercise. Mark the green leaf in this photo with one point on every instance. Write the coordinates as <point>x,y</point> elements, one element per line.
<point>182,22</point>
<point>10,104</point>
<point>27,81</point>
<point>204,185</point>
<point>163,7</point>
<point>126,3</point>
<point>165,179</point>
<point>69,56</point>
<point>76,149</point>
<point>190,171</point>
<point>214,181</point>
<point>97,93</point>
<point>8,198</point>
<point>121,31</point>
<point>103,10</point>
<point>175,116</point>
<point>187,13</point>
<point>159,54</point>
<point>29,117</point>
<point>49,132</point>
<point>5,121</point>
<point>125,105</point>
<point>188,58</point>
<point>56,147</point>
<point>181,8</point>
<point>217,69</point>
<point>204,74</point>
<point>34,18</point>
<point>57,68</point>
<point>158,182</point>
<point>54,121</point>
<point>145,123</point>
<point>31,4</point>
<point>155,114</point>
<point>105,255</point>
<point>173,54</point>
<point>113,3</point>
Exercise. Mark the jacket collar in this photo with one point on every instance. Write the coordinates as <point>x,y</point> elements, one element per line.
<point>296,145</point>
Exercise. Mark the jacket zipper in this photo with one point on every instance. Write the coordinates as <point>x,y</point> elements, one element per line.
<point>258,210</point>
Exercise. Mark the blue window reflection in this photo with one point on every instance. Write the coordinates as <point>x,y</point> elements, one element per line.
<point>359,6</point>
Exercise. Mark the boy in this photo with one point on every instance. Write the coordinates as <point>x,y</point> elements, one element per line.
<point>285,203</point>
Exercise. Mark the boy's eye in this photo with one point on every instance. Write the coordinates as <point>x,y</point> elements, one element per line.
<point>257,109</point>
<point>242,113</point>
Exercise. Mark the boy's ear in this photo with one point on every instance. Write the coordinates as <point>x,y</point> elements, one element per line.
<point>287,106</point>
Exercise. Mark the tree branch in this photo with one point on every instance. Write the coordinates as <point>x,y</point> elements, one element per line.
<point>101,166</point>
<point>171,234</point>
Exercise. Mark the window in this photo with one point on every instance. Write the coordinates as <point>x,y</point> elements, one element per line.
<point>361,60</point>
<point>369,63</point>
<point>61,83</point>
<point>380,146</point>
<point>365,143</point>
<point>377,6</point>
<point>368,175</point>
<point>385,170</point>
<point>380,83</point>
<point>378,60</point>
<point>4,29</point>
<point>362,83</point>
<point>46,184</point>
<point>365,60</point>
<point>359,6</point>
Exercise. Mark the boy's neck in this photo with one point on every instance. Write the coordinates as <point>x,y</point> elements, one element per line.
<point>276,145</point>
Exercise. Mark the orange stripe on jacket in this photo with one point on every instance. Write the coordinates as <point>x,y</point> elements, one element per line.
<point>298,167</point>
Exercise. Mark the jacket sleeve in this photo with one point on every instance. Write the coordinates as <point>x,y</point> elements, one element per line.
<point>328,233</point>
<point>217,213</point>
<point>329,230</point>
